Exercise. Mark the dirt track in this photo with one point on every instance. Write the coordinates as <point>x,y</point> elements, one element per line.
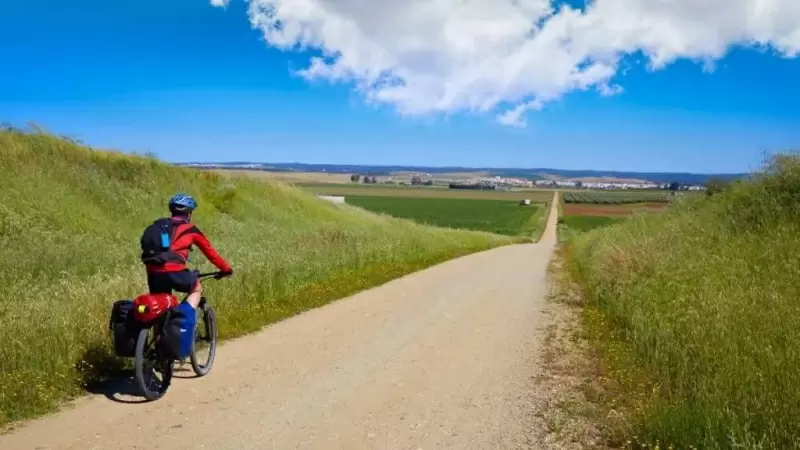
<point>443,358</point>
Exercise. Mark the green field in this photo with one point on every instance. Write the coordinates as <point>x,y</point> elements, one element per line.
<point>571,225</point>
<point>617,197</point>
<point>495,216</point>
<point>70,222</point>
<point>389,190</point>
<point>587,223</point>
<point>696,313</point>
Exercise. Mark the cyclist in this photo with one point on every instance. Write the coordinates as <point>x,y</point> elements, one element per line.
<point>166,266</point>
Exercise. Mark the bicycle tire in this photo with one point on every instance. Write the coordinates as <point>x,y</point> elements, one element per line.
<point>207,318</point>
<point>163,365</point>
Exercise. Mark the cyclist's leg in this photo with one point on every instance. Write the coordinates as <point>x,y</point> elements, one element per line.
<point>186,281</point>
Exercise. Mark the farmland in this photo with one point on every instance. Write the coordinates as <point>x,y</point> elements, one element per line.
<point>617,197</point>
<point>304,178</point>
<point>496,216</point>
<point>579,218</point>
<point>611,210</point>
<point>580,224</point>
<point>535,196</point>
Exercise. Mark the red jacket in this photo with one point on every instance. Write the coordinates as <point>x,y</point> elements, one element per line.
<point>184,235</point>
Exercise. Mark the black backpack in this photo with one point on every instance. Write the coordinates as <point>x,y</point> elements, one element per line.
<point>155,242</point>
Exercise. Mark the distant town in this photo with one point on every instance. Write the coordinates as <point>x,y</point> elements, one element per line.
<point>495,182</point>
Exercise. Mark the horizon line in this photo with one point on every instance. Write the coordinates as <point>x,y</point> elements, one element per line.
<point>467,168</point>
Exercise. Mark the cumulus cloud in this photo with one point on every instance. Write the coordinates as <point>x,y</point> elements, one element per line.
<point>510,56</point>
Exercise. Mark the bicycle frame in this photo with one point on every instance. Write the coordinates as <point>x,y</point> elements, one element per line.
<point>148,308</point>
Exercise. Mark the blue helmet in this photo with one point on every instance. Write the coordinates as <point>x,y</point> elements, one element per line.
<point>183,203</point>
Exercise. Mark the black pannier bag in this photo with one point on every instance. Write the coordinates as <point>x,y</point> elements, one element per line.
<point>123,328</point>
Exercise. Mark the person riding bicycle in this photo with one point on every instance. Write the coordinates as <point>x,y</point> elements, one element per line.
<point>166,265</point>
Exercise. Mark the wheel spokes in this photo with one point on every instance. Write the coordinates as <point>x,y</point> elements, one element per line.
<point>153,366</point>
<point>202,341</point>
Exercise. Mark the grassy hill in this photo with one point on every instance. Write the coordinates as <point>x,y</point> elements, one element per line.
<point>706,300</point>
<point>70,220</point>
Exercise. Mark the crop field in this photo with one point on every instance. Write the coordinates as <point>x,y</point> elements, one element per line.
<point>579,218</point>
<point>610,210</point>
<point>495,216</point>
<point>617,197</point>
<point>388,190</point>
<point>580,224</point>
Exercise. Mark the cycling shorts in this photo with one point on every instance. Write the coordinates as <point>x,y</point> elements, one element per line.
<point>165,282</point>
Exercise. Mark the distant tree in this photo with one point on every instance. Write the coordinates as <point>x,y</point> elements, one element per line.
<point>355,177</point>
<point>579,184</point>
<point>416,179</point>
<point>674,186</point>
<point>428,183</point>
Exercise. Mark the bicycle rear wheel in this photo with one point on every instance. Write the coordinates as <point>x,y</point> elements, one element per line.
<point>153,372</point>
<point>204,347</point>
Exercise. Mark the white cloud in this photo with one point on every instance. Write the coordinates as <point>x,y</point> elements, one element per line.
<point>429,56</point>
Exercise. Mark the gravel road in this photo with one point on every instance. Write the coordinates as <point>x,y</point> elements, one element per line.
<point>442,358</point>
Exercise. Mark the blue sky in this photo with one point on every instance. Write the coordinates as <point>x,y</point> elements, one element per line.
<point>192,82</point>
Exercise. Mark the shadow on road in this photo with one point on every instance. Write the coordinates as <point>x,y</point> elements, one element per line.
<point>120,388</point>
<point>104,374</point>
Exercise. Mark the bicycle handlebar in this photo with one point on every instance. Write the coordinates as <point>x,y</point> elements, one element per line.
<point>216,275</point>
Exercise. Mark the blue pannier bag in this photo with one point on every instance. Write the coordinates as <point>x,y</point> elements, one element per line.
<point>177,334</point>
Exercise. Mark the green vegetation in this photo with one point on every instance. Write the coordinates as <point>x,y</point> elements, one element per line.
<point>495,216</point>
<point>570,225</point>
<point>617,197</point>
<point>70,221</point>
<point>587,223</point>
<point>704,298</point>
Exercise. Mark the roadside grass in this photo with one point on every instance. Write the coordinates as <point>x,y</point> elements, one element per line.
<point>494,216</point>
<point>695,317</point>
<point>567,412</point>
<point>70,220</point>
<point>538,221</point>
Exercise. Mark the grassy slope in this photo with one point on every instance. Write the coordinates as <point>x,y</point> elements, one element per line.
<point>70,220</point>
<point>705,297</point>
<point>495,216</point>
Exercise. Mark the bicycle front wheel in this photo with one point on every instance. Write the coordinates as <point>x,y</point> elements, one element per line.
<point>153,372</point>
<point>204,347</point>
